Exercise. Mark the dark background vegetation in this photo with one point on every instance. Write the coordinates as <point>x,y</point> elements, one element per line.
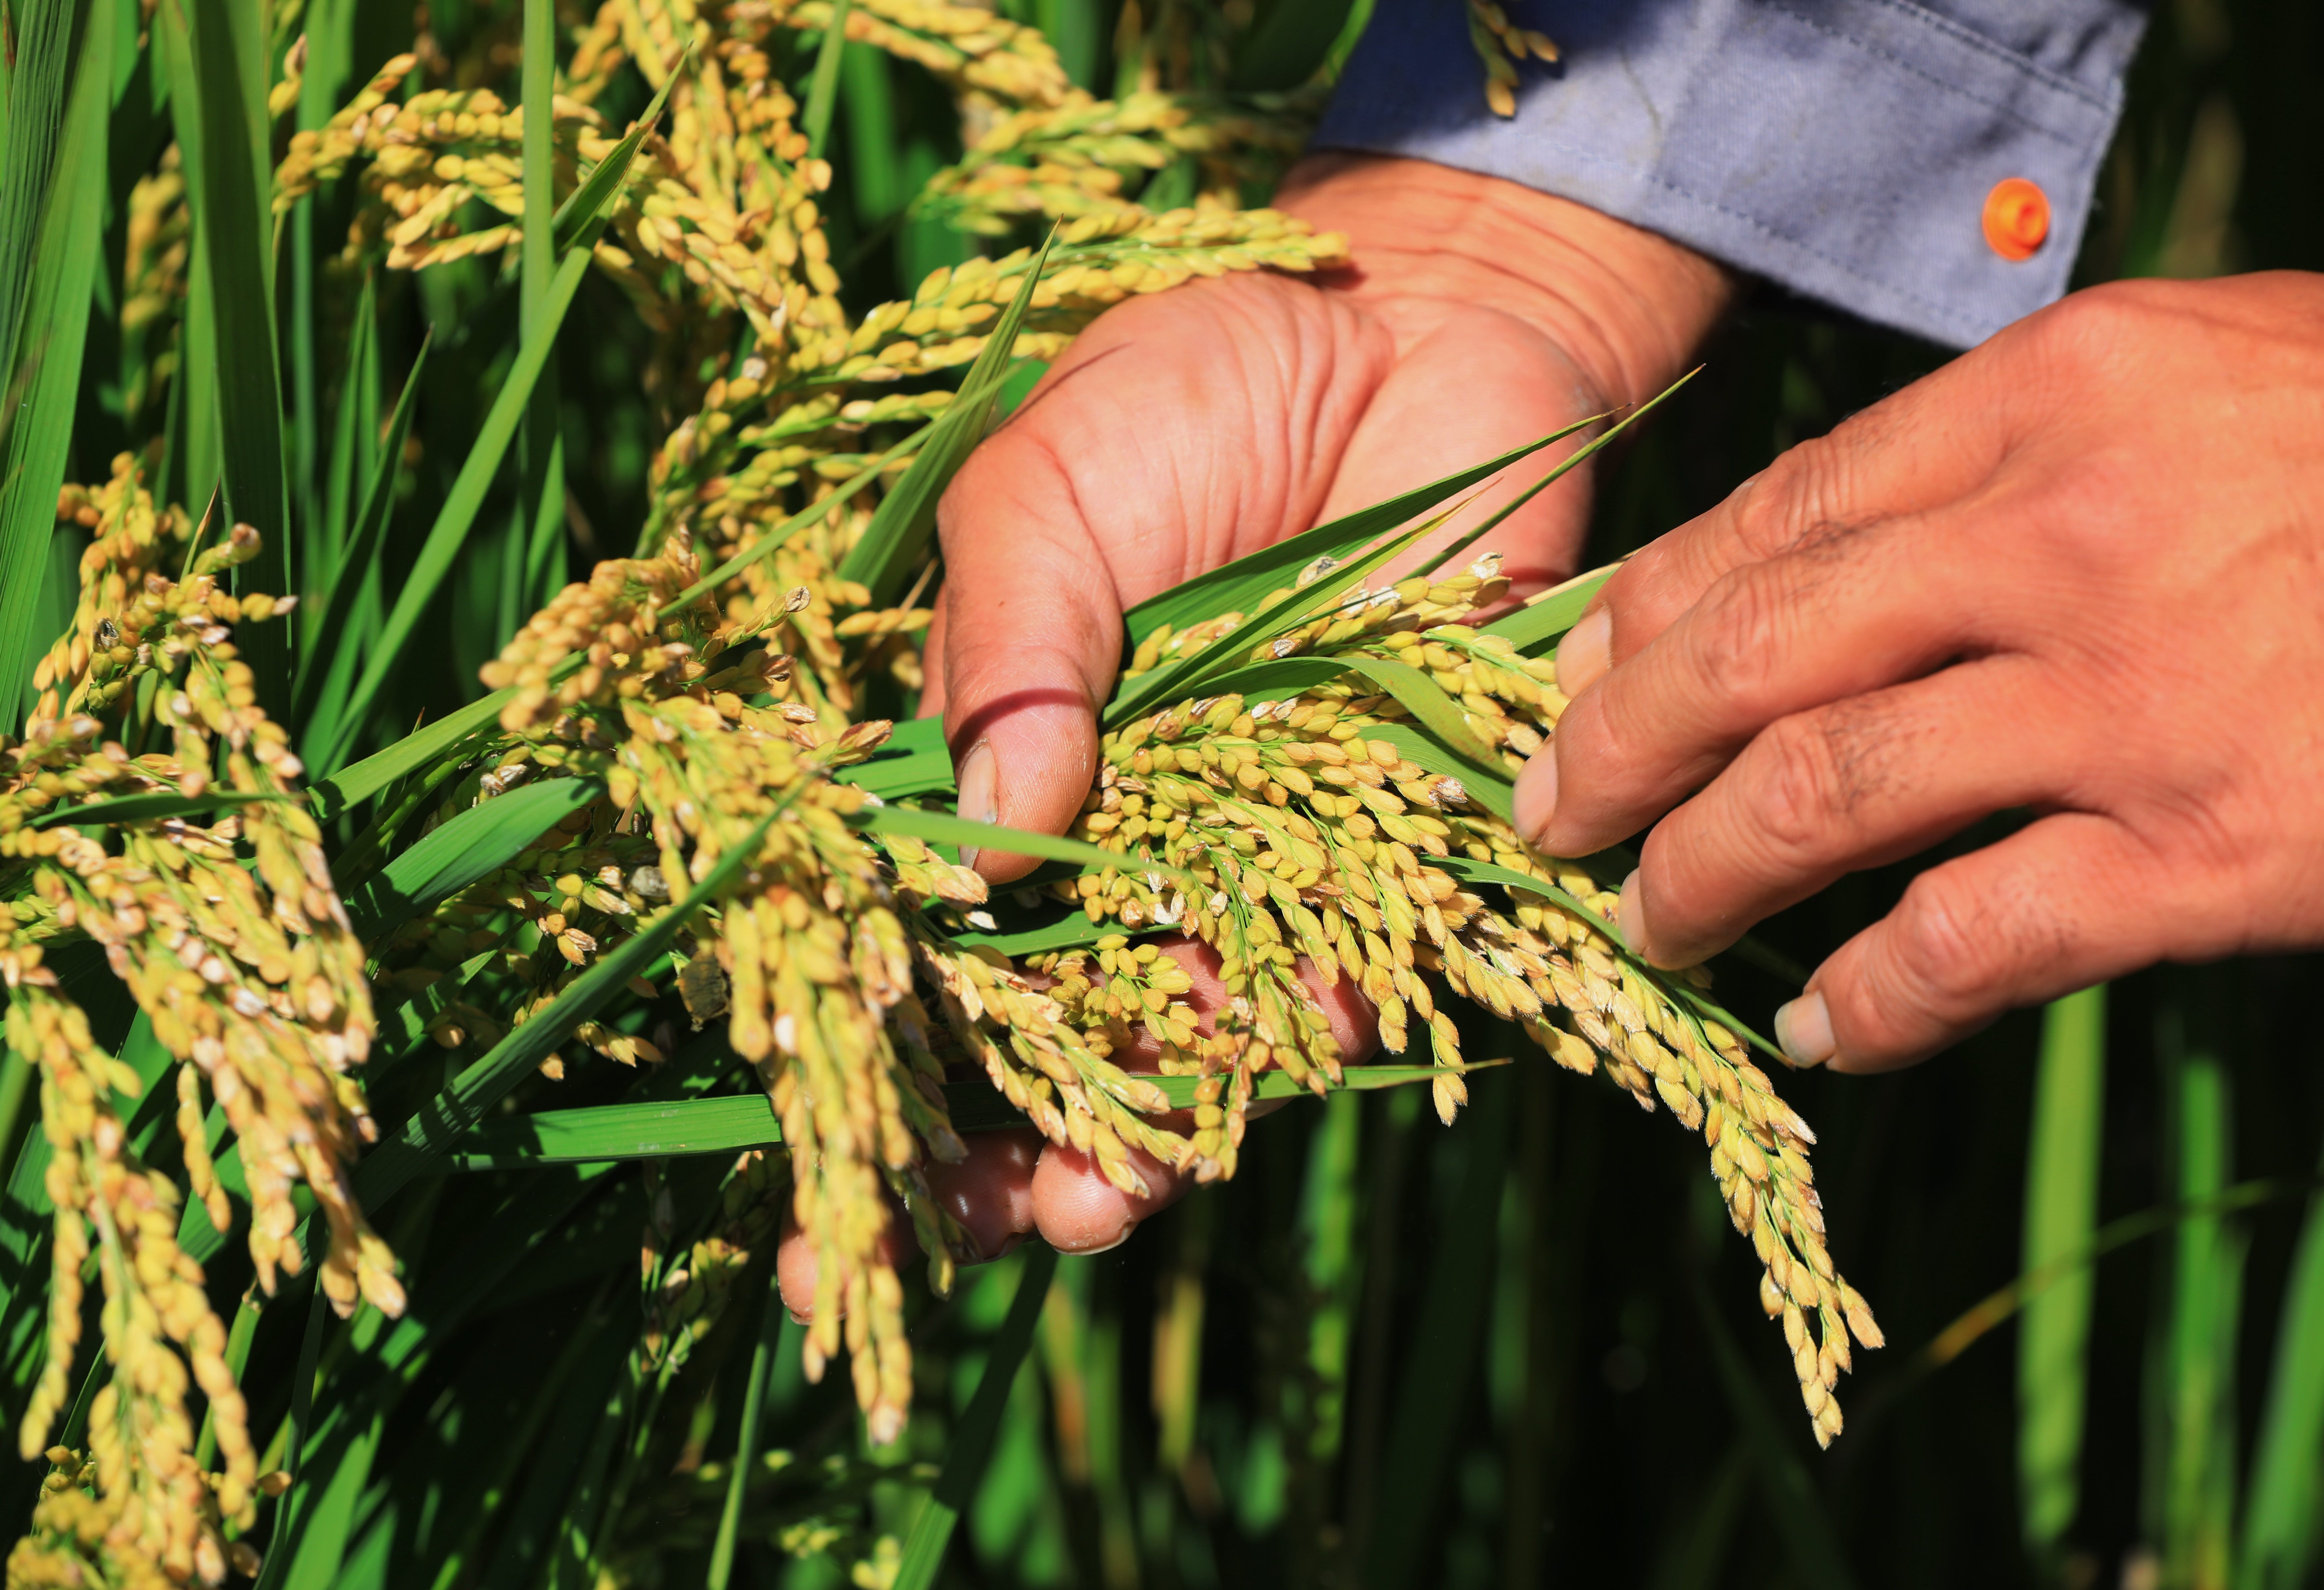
<point>1525,1350</point>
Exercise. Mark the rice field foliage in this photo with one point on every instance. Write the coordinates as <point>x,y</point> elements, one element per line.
<point>477,881</point>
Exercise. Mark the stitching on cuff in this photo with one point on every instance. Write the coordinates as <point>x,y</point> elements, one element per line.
<point>1955,89</point>
<point>1961,33</point>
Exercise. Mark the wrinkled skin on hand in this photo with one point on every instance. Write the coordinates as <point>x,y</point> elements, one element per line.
<point>2078,572</point>
<point>1186,429</point>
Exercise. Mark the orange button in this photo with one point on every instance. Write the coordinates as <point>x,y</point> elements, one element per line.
<point>2016,219</point>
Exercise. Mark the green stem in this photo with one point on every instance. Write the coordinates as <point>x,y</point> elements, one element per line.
<point>746,1442</point>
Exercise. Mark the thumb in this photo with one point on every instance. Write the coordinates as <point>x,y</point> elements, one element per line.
<point>1032,637</point>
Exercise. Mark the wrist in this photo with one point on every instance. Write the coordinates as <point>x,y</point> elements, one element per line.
<point>1627,306</point>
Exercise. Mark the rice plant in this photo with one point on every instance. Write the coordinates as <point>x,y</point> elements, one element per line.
<point>475,875</point>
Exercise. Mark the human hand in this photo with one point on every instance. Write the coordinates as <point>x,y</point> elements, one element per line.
<point>2079,570</point>
<point>1188,428</point>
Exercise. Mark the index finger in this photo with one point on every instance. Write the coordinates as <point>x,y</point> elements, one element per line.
<point>1926,445</point>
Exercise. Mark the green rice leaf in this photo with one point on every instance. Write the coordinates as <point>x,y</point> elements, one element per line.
<point>1233,587</point>
<point>471,847</point>
<point>320,701</point>
<point>1438,713</point>
<point>823,88</point>
<point>1563,468</point>
<point>1287,45</point>
<point>2282,1519</point>
<point>150,808</point>
<point>350,787</point>
<point>888,556</point>
<point>812,513</point>
<point>1534,628</point>
<point>47,273</point>
<point>285,1527</point>
<point>943,828</point>
<point>446,1117</point>
<point>1682,993</point>
<point>1793,1504</point>
<point>440,553</point>
<point>1490,788</point>
<point>1422,1443</point>
<point>914,761</point>
<point>1074,931</point>
<point>729,1124</point>
<point>579,219</point>
<point>1195,675</point>
<point>2061,1199</point>
<point>44,46</point>
<point>972,1438</point>
<point>570,226</point>
<point>231,227</point>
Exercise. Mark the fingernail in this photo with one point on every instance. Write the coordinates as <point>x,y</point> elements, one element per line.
<point>1087,1253</point>
<point>978,803</point>
<point>1803,1030</point>
<point>1536,798</point>
<point>1009,1245</point>
<point>1631,916</point>
<point>1586,652</point>
<point>797,1317</point>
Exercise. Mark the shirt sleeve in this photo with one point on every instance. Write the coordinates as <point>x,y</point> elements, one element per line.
<point>1847,149</point>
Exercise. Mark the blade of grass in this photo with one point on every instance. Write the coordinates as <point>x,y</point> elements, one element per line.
<point>276,1571</point>
<point>1234,586</point>
<point>149,808</point>
<point>450,534</point>
<point>1534,627</point>
<point>2284,1509</point>
<point>746,1439</point>
<point>2061,1195</point>
<point>44,46</point>
<point>59,204</point>
<point>1564,466</point>
<point>1287,45</point>
<point>343,475</point>
<point>322,513</point>
<point>813,514</point>
<point>2193,1414</point>
<point>467,850</point>
<point>888,557</point>
<point>460,1106</point>
<point>945,828</point>
<point>579,210</point>
<point>972,1440</point>
<point>1437,713</point>
<point>540,499</point>
<point>913,762</point>
<point>578,217</point>
<point>348,788</point>
<point>1683,994</point>
<point>319,703</point>
<point>1440,1370</point>
<point>604,1132</point>
<point>823,88</point>
<point>232,229</point>
<point>1793,1505</point>
<point>1193,675</point>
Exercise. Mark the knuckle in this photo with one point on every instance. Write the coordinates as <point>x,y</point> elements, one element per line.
<point>1742,632</point>
<point>1798,797</point>
<point>1948,940</point>
<point>1810,485</point>
<point>2088,334</point>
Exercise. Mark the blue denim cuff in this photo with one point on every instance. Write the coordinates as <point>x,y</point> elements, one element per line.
<point>1844,149</point>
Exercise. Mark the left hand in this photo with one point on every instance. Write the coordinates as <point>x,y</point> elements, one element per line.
<point>2080,571</point>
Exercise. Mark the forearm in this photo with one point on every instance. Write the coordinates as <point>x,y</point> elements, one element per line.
<point>1628,306</point>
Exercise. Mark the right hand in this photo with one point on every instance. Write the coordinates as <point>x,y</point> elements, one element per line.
<point>1186,429</point>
